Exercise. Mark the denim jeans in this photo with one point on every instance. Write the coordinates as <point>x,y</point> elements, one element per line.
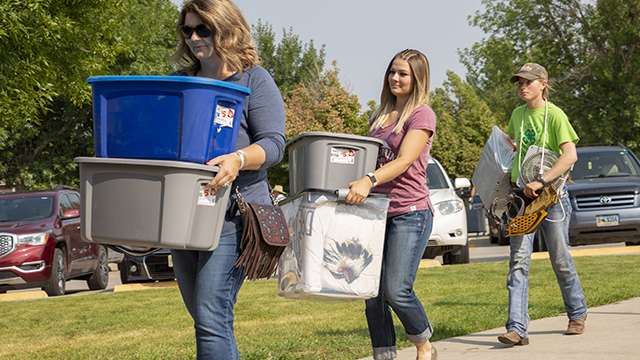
<point>405,241</point>
<point>555,230</point>
<point>209,284</point>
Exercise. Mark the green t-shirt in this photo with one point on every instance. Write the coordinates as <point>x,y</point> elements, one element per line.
<point>559,131</point>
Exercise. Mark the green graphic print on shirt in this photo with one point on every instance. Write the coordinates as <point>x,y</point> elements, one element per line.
<point>529,137</point>
<point>559,131</point>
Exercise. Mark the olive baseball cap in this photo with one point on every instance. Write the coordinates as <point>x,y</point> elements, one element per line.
<point>531,71</point>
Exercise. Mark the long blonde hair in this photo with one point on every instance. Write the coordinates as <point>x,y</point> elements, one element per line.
<point>231,34</point>
<point>419,65</point>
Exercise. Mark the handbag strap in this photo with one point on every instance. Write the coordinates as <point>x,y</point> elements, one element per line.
<point>242,202</point>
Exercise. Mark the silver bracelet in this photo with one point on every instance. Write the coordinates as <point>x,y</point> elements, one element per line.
<point>243,157</point>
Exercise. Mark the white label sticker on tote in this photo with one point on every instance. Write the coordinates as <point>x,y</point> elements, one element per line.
<point>207,196</point>
<point>343,156</point>
<point>224,116</point>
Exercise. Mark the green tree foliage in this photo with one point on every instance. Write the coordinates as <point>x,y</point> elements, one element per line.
<point>591,50</point>
<point>463,126</point>
<point>47,50</point>
<point>290,61</point>
<point>324,106</point>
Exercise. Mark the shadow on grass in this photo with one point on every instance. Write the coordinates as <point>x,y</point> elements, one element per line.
<point>468,303</point>
<point>442,332</point>
<point>360,332</point>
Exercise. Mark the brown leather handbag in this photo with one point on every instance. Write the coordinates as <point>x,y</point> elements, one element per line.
<point>264,237</point>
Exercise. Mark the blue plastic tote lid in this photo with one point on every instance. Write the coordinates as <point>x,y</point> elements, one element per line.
<point>170,79</point>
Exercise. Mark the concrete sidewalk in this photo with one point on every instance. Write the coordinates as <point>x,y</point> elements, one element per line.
<point>611,333</point>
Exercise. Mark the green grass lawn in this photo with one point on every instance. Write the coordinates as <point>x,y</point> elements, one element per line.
<point>153,324</point>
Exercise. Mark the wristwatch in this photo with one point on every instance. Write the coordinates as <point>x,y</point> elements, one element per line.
<point>372,178</point>
<point>541,180</point>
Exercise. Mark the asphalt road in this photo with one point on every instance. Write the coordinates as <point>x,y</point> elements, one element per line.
<point>482,250</point>
<point>80,286</point>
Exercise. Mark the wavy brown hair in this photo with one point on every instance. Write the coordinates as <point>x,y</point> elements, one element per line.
<point>231,34</point>
<point>419,65</point>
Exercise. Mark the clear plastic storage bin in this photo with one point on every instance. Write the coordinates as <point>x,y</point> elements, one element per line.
<point>335,249</point>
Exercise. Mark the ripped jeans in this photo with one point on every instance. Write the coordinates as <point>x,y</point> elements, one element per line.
<point>556,236</point>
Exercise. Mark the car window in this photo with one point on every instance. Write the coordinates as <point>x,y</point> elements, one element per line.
<point>436,178</point>
<point>65,203</point>
<point>26,208</point>
<point>74,200</point>
<point>605,164</point>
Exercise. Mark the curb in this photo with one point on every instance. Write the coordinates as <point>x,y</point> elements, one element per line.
<point>136,287</point>
<point>429,263</point>
<point>23,295</point>
<point>628,250</point>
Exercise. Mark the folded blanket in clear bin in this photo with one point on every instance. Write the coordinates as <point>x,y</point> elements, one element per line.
<point>335,249</point>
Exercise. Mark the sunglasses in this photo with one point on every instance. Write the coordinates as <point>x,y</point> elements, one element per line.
<point>201,30</point>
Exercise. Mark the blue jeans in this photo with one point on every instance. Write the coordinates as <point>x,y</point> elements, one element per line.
<point>405,241</point>
<point>556,236</point>
<point>209,284</point>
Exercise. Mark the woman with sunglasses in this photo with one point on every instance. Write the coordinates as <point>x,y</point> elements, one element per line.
<point>215,42</point>
<point>407,124</point>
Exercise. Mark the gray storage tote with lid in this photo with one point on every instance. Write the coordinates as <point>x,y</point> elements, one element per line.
<point>150,203</point>
<point>329,161</point>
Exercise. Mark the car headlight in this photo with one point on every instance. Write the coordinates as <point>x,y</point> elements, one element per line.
<point>33,239</point>
<point>450,206</point>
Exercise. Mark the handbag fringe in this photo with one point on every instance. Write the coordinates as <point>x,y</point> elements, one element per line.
<point>258,259</point>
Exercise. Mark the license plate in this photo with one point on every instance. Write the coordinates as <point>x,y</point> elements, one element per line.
<point>607,220</point>
<point>169,261</point>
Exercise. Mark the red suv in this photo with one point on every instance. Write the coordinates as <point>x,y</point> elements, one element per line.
<point>40,244</point>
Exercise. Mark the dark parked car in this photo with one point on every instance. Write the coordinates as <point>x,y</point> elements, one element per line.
<point>497,231</point>
<point>605,196</point>
<point>476,216</point>
<point>157,266</point>
<point>40,244</point>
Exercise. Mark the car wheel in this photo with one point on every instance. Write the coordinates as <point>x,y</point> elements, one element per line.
<point>629,243</point>
<point>56,284</point>
<point>539,245</point>
<point>123,266</point>
<point>460,256</point>
<point>100,278</point>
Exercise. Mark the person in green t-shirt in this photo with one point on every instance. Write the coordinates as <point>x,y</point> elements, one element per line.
<point>539,122</point>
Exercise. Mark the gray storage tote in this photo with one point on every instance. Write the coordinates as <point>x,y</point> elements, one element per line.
<point>329,161</point>
<point>150,203</point>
